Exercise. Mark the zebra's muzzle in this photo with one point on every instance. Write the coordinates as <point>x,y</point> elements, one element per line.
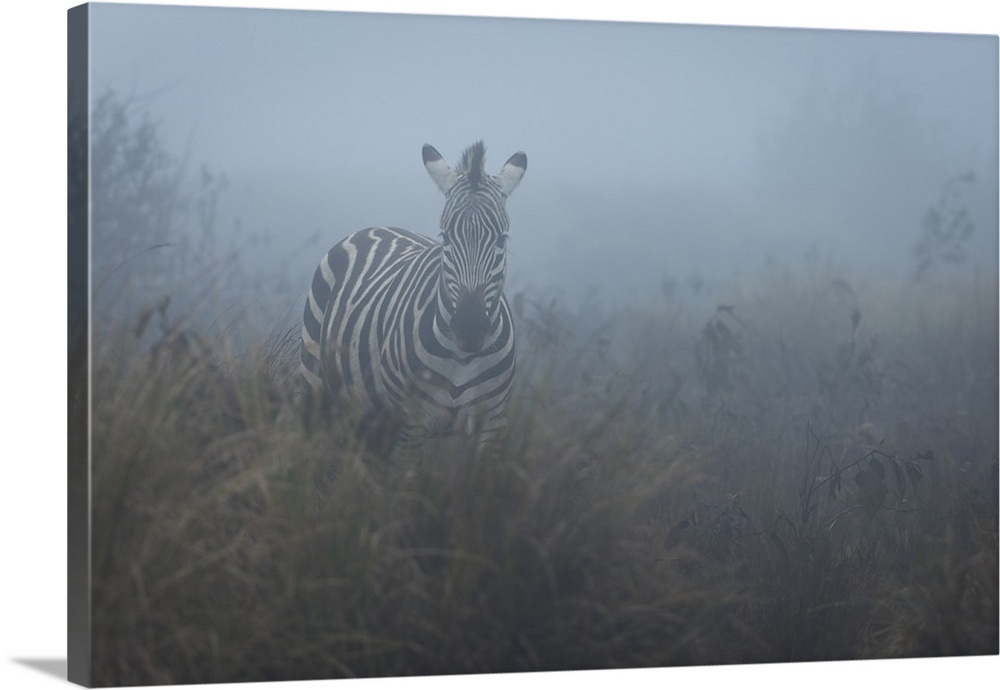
<point>470,322</point>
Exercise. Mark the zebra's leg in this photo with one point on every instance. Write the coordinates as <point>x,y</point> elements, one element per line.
<point>409,451</point>
<point>490,439</point>
<point>314,406</point>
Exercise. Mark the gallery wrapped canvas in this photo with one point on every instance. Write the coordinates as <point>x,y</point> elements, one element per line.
<point>355,391</point>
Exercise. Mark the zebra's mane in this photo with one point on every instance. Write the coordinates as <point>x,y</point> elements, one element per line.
<point>473,159</point>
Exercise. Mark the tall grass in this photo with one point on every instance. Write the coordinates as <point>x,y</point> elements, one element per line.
<point>808,472</point>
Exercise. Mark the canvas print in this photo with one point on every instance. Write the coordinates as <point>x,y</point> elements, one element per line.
<point>413,345</point>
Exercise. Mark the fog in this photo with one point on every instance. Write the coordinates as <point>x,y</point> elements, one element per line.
<point>754,279</point>
<point>656,153</point>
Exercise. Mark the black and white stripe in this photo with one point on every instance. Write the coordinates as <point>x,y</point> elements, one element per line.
<point>396,321</point>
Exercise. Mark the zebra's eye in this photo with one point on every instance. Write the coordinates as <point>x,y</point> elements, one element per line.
<point>502,241</point>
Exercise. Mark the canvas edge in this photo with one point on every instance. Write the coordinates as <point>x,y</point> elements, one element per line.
<point>78,667</point>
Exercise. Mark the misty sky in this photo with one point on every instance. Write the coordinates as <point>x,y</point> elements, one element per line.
<point>653,150</point>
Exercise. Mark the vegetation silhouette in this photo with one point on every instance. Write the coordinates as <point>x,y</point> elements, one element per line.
<point>806,472</point>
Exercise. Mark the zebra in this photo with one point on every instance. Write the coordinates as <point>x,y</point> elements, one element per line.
<point>399,323</point>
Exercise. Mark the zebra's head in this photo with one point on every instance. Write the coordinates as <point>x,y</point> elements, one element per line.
<point>474,229</point>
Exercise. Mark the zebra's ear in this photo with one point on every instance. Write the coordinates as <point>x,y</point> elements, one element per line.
<point>512,172</point>
<point>441,172</point>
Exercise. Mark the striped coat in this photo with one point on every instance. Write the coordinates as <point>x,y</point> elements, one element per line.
<point>397,322</point>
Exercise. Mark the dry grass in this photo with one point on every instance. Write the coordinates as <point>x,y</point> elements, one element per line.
<point>773,485</point>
